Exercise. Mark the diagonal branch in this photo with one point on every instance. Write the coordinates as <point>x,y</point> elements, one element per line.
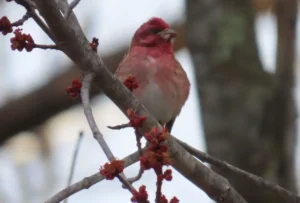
<point>228,168</point>
<point>85,97</point>
<point>76,46</point>
<point>73,4</point>
<point>30,7</point>
<point>87,182</point>
<point>263,184</point>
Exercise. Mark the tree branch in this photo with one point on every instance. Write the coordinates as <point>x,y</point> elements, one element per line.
<point>30,7</point>
<point>87,182</point>
<point>228,168</point>
<point>222,165</point>
<point>71,7</point>
<point>85,97</point>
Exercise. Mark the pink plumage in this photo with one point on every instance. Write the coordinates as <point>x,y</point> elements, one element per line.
<point>163,86</point>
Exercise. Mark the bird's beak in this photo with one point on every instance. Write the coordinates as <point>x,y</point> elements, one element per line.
<point>168,34</point>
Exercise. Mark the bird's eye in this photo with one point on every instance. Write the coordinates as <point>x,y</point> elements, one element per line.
<point>155,31</point>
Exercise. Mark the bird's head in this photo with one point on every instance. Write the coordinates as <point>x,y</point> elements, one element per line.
<point>154,32</point>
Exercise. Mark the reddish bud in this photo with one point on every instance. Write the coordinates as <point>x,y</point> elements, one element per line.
<point>112,169</point>
<point>174,200</point>
<point>168,175</point>
<point>21,41</point>
<point>135,120</point>
<point>156,156</point>
<point>94,44</point>
<point>163,199</point>
<point>140,196</point>
<point>5,25</point>
<point>75,89</point>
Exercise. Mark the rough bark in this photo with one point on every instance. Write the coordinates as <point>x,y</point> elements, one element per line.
<point>247,113</point>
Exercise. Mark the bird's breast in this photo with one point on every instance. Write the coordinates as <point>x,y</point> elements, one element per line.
<point>160,103</point>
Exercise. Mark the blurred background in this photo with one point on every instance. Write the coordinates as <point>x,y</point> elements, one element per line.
<point>241,58</point>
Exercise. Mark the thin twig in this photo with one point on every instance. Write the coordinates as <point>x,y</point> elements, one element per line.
<point>30,7</point>
<point>159,182</point>
<point>26,3</point>
<point>138,137</point>
<point>41,24</point>
<point>64,6</point>
<point>22,20</point>
<point>119,127</point>
<point>85,97</point>
<point>137,177</point>
<point>73,4</point>
<point>140,150</point>
<point>74,161</point>
<point>44,46</point>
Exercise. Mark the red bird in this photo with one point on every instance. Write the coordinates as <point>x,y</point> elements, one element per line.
<point>163,86</point>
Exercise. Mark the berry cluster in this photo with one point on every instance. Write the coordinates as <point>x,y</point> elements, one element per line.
<point>112,169</point>
<point>75,89</point>
<point>163,199</point>
<point>140,196</point>
<point>21,41</point>
<point>156,155</point>
<point>94,44</point>
<point>135,120</point>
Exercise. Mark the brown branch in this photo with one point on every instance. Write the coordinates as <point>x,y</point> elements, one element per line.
<point>85,97</point>
<point>138,137</point>
<point>87,182</point>
<point>228,168</point>
<point>76,46</point>
<point>30,7</point>
<point>119,127</point>
<point>222,165</point>
<point>64,6</point>
<point>45,46</point>
<point>36,107</point>
<point>22,20</point>
<point>73,4</point>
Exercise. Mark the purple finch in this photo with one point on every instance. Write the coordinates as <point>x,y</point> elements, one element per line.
<point>163,86</point>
